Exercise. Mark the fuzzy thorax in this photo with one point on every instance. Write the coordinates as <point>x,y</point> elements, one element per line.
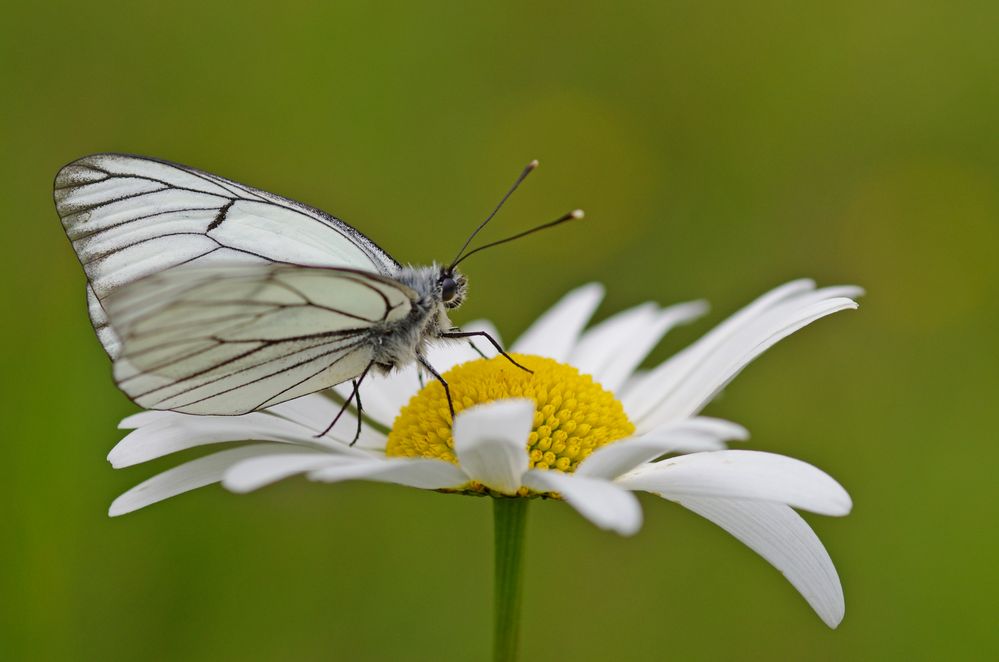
<point>405,340</point>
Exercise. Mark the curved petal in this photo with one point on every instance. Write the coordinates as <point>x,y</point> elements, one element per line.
<point>175,432</point>
<point>613,349</point>
<point>602,502</point>
<point>711,430</point>
<point>643,396</point>
<point>144,417</point>
<point>742,475</point>
<point>693,435</point>
<point>686,383</point>
<point>316,411</point>
<point>598,344</point>
<point>779,535</point>
<point>256,472</point>
<point>421,473</point>
<point>554,334</point>
<point>446,354</point>
<point>313,411</point>
<point>616,374</point>
<point>188,476</point>
<point>384,395</point>
<point>698,390</point>
<point>490,441</point>
<point>484,345</point>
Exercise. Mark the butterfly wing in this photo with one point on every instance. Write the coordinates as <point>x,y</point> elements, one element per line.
<point>130,216</point>
<point>230,340</point>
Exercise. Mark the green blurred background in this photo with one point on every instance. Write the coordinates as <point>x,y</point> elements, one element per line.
<point>718,148</point>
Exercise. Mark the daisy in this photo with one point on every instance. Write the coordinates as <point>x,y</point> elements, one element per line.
<point>586,426</point>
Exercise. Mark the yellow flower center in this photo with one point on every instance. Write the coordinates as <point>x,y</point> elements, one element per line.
<point>573,414</point>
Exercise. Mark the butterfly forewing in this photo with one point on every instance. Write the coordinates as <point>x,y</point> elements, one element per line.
<point>129,217</point>
<point>107,336</point>
<point>213,340</point>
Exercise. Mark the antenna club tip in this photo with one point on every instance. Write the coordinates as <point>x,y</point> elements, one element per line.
<point>533,164</point>
<point>577,214</point>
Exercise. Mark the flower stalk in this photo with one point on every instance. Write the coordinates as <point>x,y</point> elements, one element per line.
<point>509,520</point>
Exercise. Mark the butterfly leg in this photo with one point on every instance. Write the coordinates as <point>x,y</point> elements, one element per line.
<point>475,348</point>
<point>355,393</point>
<point>437,376</point>
<point>492,341</point>
<point>360,411</point>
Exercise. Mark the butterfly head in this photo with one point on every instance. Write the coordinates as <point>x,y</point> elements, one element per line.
<point>453,287</point>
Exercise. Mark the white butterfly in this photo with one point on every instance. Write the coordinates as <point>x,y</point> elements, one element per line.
<point>212,297</point>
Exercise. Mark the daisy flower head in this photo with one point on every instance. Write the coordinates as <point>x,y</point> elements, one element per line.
<point>585,426</point>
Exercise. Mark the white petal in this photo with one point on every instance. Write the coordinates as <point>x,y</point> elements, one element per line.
<point>420,473</point>
<point>490,441</point>
<point>630,356</point>
<point>257,472</point>
<point>554,334</point>
<point>723,366</point>
<point>743,475</point>
<point>144,417</point>
<point>484,345</point>
<point>444,355</point>
<point>598,344</point>
<point>693,435</point>
<point>188,476</point>
<point>382,396</point>
<point>686,383</point>
<point>612,350</point>
<point>642,396</point>
<point>317,411</point>
<point>175,432</point>
<point>600,501</point>
<point>708,428</point>
<point>779,535</point>
<point>761,304</point>
<point>313,411</point>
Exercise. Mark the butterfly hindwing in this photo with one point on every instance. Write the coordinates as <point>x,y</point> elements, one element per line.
<point>211,340</point>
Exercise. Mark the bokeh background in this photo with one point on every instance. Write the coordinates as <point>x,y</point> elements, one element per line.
<point>719,149</point>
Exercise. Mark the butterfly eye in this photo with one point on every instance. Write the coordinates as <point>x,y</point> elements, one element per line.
<point>449,288</point>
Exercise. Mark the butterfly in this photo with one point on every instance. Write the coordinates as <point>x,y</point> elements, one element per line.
<point>216,298</point>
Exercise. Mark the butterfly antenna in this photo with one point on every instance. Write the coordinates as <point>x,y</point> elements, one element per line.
<point>523,175</point>
<point>574,215</point>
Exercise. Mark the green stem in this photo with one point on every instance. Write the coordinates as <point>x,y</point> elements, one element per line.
<point>509,518</point>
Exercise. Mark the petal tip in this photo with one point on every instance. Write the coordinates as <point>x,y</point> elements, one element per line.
<point>237,486</point>
<point>629,528</point>
<point>843,505</point>
<point>117,459</point>
<point>834,618</point>
<point>120,507</point>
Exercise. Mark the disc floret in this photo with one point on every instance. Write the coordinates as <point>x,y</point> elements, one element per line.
<point>573,414</point>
